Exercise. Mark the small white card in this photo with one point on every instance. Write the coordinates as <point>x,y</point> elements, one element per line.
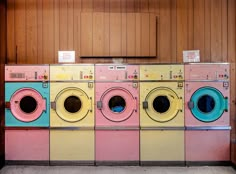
<point>66,56</point>
<point>191,56</point>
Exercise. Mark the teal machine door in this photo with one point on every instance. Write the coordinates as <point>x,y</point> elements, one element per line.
<point>207,104</point>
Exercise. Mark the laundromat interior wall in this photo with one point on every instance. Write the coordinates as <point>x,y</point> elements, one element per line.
<point>131,31</point>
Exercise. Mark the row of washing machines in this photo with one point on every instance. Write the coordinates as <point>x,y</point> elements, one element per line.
<point>149,114</point>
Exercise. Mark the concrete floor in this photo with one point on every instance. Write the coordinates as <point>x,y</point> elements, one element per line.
<point>114,170</point>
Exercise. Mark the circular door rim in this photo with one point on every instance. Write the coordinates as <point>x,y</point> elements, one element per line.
<point>126,95</point>
<point>173,110</point>
<point>68,116</point>
<point>16,109</point>
<point>218,109</point>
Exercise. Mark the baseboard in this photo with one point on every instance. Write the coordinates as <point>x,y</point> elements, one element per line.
<point>208,163</point>
<point>71,163</point>
<point>2,161</point>
<point>24,162</point>
<point>162,163</point>
<point>117,163</point>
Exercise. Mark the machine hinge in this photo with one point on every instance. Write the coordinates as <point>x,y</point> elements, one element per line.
<point>8,105</point>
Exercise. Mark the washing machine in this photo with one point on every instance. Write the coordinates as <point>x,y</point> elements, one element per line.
<point>72,114</point>
<point>162,114</point>
<point>117,114</point>
<point>27,113</point>
<point>207,118</point>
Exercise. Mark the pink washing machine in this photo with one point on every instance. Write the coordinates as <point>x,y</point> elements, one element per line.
<point>117,114</point>
<point>207,117</point>
<point>26,114</point>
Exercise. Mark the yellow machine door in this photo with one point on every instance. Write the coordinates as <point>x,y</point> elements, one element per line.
<point>162,104</point>
<point>72,104</point>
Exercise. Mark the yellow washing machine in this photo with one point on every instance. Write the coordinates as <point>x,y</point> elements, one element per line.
<point>72,114</point>
<point>162,114</point>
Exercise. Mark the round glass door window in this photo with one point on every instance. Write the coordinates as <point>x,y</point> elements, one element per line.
<point>162,104</point>
<point>73,104</point>
<point>208,104</point>
<point>118,104</point>
<point>27,104</point>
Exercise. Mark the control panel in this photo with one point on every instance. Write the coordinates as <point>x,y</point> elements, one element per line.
<point>71,72</point>
<point>26,73</point>
<point>161,72</point>
<point>208,72</point>
<point>117,72</point>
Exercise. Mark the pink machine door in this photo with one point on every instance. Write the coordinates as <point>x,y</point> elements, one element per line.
<point>117,106</point>
<point>27,104</point>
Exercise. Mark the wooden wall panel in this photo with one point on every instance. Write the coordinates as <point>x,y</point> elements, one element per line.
<point>40,31</point>
<point>31,31</point>
<point>115,34</point>
<point>70,25</point>
<point>216,30</point>
<point>164,31</point>
<point>98,34</point>
<point>131,33</point>
<point>198,30</point>
<point>86,30</point>
<point>207,35</point>
<point>182,28</point>
<point>77,26</point>
<point>20,31</point>
<point>63,24</point>
<point>48,32</point>
<point>145,33</point>
<point>11,45</point>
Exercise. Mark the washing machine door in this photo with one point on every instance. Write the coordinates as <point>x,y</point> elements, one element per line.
<point>117,104</point>
<point>207,104</point>
<point>162,104</point>
<point>72,104</point>
<point>26,104</point>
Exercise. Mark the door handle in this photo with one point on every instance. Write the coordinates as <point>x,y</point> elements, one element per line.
<point>226,104</point>
<point>180,104</point>
<point>99,105</point>
<point>91,104</point>
<point>145,105</point>
<point>44,104</point>
<point>136,104</point>
<point>53,105</point>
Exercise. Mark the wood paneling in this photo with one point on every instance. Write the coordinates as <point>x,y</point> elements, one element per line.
<point>37,29</point>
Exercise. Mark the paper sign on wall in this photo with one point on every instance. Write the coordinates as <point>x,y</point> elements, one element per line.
<point>191,56</point>
<point>66,56</point>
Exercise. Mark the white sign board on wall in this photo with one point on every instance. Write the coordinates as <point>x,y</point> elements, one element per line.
<point>191,56</point>
<point>66,56</point>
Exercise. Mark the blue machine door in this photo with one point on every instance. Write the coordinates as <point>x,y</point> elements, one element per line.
<point>207,104</point>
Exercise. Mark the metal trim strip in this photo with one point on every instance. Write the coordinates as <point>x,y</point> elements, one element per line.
<point>209,128</point>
